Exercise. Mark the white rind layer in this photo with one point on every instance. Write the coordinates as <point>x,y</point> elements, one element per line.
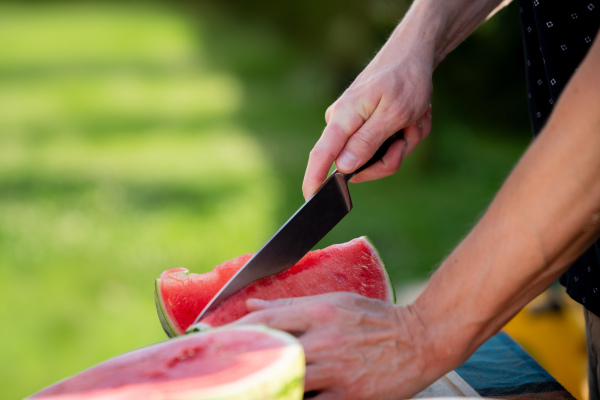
<point>164,319</point>
<point>281,380</point>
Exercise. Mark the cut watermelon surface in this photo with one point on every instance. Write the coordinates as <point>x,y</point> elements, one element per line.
<point>354,266</point>
<point>245,362</point>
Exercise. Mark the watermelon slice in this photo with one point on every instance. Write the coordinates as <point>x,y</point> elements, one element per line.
<point>245,362</point>
<point>354,266</point>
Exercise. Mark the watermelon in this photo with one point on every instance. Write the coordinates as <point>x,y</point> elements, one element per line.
<point>354,266</point>
<point>244,362</point>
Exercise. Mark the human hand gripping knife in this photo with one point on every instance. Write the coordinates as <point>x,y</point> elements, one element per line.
<point>317,216</point>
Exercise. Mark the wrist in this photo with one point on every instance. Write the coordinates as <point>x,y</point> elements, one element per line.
<point>427,364</point>
<point>426,26</point>
<point>448,335</point>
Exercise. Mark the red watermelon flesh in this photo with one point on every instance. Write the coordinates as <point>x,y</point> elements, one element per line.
<point>182,298</point>
<point>354,266</point>
<point>224,363</point>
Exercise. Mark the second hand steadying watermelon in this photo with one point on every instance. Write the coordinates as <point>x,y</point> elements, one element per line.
<point>354,266</point>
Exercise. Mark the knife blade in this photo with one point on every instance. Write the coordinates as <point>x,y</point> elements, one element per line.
<point>309,224</point>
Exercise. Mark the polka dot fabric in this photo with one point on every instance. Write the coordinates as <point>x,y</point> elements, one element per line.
<point>557,35</point>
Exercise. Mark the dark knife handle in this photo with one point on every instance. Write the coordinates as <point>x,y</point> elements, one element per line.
<point>378,154</point>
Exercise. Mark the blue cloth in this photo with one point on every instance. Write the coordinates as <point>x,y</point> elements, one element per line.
<point>501,368</point>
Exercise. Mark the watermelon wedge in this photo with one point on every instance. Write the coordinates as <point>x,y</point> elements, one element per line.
<point>354,266</point>
<point>245,362</point>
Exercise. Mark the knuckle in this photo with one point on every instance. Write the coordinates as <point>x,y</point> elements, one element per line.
<point>329,110</point>
<point>399,112</point>
<point>320,152</point>
<point>348,99</point>
<point>341,105</point>
<point>396,110</point>
<point>360,104</point>
<point>362,141</point>
<point>334,130</point>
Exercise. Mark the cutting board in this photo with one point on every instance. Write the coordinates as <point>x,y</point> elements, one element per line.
<point>450,385</point>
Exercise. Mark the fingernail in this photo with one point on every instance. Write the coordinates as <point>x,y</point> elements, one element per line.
<point>346,161</point>
<point>420,123</point>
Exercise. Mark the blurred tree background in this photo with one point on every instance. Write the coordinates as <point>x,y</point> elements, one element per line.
<point>137,137</point>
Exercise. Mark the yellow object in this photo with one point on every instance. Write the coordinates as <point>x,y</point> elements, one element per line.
<point>552,330</point>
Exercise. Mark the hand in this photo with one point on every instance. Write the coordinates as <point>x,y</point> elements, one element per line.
<point>355,347</point>
<point>392,93</point>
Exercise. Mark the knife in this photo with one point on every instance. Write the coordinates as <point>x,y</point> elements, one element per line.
<point>317,216</point>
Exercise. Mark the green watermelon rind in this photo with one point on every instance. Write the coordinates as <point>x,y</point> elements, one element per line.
<point>281,380</point>
<point>391,291</point>
<point>169,329</point>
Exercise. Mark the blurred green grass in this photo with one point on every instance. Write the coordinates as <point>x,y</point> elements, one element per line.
<point>134,139</point>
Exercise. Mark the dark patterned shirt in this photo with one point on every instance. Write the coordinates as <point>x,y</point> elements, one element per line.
<point>557,35</point>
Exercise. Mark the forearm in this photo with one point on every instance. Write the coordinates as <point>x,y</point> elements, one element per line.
<point>442,25</point>
<point>544,216</point>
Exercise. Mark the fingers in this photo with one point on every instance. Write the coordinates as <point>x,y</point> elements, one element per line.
<point>344,336</point>
<point>388,165</point>
<point>294,320</point>
<point>260,304</point>
<point>341,124</point>
<point>317,377</point>
<point>362,144</point>
<point>398,151</point>
<point>351,138</point>
<point>294,315</point>
<point>418,131</point>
